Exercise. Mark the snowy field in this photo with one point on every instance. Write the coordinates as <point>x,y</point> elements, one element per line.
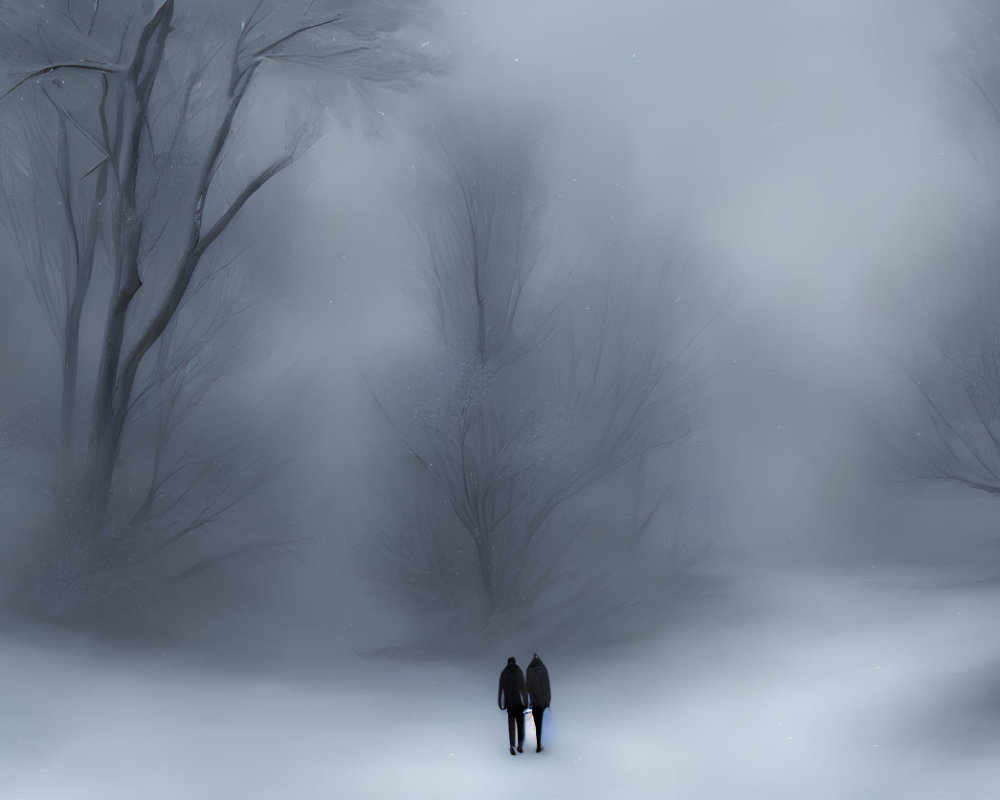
<point>799,686</point>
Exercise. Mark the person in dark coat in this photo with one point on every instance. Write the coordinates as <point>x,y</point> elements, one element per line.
<point>539,695</point>
<point>512,697</point>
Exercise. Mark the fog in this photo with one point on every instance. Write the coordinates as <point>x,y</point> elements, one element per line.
<point>348,349</point>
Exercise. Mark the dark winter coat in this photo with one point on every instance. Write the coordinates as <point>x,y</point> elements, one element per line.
<point>538,684</point>
<point>512,693</point>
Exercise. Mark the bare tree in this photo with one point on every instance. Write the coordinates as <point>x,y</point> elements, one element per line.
<point>957,377</point>
<point>469,432</point>
<point>535,395</point>
<point>142,130</point>
<point>972,65</point>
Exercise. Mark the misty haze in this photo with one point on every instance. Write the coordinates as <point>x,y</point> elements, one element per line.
<point>349,348</point>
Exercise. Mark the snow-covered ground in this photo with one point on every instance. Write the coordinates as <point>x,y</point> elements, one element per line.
<point>802,686</point>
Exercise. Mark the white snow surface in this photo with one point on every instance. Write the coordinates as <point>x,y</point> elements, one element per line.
<point>801,686</point>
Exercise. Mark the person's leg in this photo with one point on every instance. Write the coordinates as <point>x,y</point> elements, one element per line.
<point>520,731</point>
<point>511,724</point>
<point>537,714</point>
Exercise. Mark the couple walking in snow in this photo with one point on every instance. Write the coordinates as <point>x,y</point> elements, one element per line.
<point>516,695</point>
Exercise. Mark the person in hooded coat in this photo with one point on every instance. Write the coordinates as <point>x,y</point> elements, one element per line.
<point>539,695</point>
<point>512,697</point>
